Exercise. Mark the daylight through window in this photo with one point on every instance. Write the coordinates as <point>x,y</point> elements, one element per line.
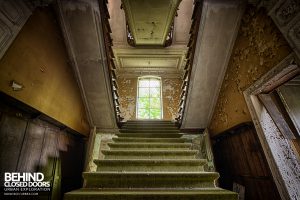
<point>149,98</point>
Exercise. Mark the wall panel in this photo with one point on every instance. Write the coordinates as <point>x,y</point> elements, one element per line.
<point>12,130</point>
<point>31,148</point>
<point>239,159</point>
<point>28,143</point>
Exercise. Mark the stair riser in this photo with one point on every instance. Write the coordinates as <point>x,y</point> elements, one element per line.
<point>150,197</point>
<point>147,148</point>
<point>162,156</point>
<point>150,130</point>
<point>140,181</point>
<point>145,168</point>
<point>150,127</point>
<point>149,124</point>
<point>142,146</point>
<point>147,131</point>
<point>149,140</point>
<point>150,135</point>
<point>149,121</point>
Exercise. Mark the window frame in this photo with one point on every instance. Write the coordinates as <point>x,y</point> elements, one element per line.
<point>138,96</point>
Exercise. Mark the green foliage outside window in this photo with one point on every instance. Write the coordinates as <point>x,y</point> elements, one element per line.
<point>149,98</point>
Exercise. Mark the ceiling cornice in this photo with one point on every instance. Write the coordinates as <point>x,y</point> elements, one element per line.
<point>163,62</point>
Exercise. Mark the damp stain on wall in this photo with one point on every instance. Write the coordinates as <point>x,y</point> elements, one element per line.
<point>258,48</point>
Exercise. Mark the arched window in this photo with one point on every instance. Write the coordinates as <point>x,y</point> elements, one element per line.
<point>149,101</point>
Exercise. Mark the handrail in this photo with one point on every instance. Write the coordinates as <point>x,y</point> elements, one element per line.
<point>189,58</point>
<point>108,42</point>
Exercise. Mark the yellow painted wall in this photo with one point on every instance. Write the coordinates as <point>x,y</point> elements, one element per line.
<point>38,60</point>
<point>259,47</point>
<point>128,93</point>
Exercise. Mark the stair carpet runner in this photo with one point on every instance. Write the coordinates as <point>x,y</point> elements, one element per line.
<point>150,160</point>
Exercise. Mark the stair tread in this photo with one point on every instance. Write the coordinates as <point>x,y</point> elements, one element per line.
<point>153,173</point>
<point>154,143</point>
<point>151,160</point>
<point>182,140</point>
<point>158,173</point>
<point>208,194</point>
<point>163,191</point>
<point>151,151</point>
<point>147,120</point>
<point>141,144</point>
<point>147,135</point>
<point>170,126</point>
<point>149,130</point>
<point>150,165</point>
<point>133,179</point>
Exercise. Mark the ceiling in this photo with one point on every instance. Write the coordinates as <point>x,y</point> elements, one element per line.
<point>150,21</point>
<point>138,61</point>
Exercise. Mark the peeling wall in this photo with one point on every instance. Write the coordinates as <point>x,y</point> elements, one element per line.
<point>259,47</point>
<point>38,60</point>
<point>171,97</point>
<point>128,93</point>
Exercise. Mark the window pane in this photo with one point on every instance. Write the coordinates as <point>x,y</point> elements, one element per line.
<point>144,92</point>
<point>155,92</point>
<point>144,103</point>
<point>143,114</point>
<point>144,83</point>
<point>149,98</point>
<point>155,103</point>
<point>154,83</point>
<point>155,114</point>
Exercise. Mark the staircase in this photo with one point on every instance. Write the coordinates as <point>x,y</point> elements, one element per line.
<point>150,160</point>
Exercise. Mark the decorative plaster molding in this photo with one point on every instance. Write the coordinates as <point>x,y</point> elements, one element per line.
<point>280,156</point>
<point>286,15</point>
<point>148,24</point>
<point>172,59</point>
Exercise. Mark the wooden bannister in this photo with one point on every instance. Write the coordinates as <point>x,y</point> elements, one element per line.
<point>189,58</point>
<point>110,55</point>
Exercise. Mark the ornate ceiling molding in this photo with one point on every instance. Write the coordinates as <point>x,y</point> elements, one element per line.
<point>133,62</point>
<point>182,24</point>
<point>286,15</point>
<point>150,21</point>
